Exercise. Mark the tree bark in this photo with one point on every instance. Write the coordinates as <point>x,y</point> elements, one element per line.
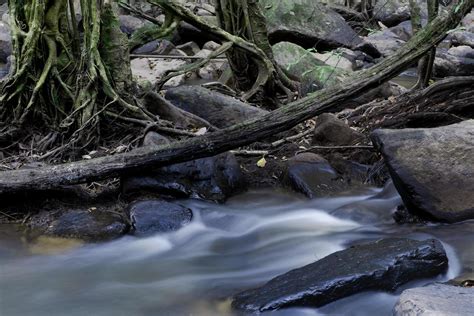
<point>241,134</point>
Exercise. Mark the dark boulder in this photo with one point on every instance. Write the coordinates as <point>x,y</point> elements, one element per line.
<point>157,216</point>
<point>433,169</point>
<point>332,131</point>
<point>436,299</point>
<point>93,224</point>
<point>313,176</point>
<point>218,109</point>
<point>308,23</point>
<point>129,24</point>
<point>213,178</point>
<point>382,265</point>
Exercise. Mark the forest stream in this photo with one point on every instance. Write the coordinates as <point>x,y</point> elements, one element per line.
<point>226,249</point>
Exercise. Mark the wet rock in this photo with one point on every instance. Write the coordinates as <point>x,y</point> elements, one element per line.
<point>313,176</point>
<point>332,131</point>
<point>435,299</point>
<point>433,169</point>
<point>3,70</point>
<point>157,216</point>
<point>393,12</point>
<point>93,224</point>
<point>386,42</point>
<point>218,109</point>
<point>213,178</point>
<point>314,74</point>
<point>382,265</point>
<point>188,33</point>
<point>129,24</point>
<point>308,23</point>
<point>447,64</point>
<point>336,59</point>
<point>5,42</point>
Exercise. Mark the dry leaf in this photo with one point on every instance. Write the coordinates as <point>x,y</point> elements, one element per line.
<point>262,163</point>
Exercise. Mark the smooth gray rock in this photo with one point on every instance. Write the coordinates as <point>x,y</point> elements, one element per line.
<point>386,42</point>
<point>436,300</point>
<point>218,109</point>
<point>433,169</point>
<point>157,216</point>
<point>382,265</point>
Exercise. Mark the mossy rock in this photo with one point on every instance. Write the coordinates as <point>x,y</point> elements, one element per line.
<point>307,23</point>
<point>300,63</point>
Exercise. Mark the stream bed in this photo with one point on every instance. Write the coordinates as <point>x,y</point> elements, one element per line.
<point>227,248</point>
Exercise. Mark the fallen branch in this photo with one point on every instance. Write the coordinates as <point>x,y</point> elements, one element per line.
<point>238,135</point>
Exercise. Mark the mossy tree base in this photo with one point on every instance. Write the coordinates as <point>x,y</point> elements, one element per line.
<point>64,80</point>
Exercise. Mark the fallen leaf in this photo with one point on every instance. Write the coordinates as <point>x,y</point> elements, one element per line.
<point>262,163</point>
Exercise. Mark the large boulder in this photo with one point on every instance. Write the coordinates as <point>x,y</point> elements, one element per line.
<point>300,63</point>
<point>433,169</point>
<point>157,216</point>
<point>382,265</point>
<point>436,299</point>
<point>386,42</point>
<point>313,176</point>
<point>462,38</point>
<point>92,224</point>
<point>212,178</point>
<point>218,109</point>
<point>393,12</point>
<point>453,62</point>
<point>308,23</point>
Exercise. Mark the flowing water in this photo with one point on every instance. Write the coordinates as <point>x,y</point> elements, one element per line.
<point>226,249</point>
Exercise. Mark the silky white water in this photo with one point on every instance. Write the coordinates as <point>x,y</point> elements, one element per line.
<point>227,248</point>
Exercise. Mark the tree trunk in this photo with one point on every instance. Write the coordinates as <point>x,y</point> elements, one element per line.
<point>241,134</point>
<point>244,18</point>
<point>65,76</point>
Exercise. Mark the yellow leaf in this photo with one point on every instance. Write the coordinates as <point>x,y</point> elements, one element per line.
<point>262,163</point>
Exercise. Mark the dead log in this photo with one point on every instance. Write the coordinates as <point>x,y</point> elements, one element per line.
<point>241,134</point>
<point>446,102</point>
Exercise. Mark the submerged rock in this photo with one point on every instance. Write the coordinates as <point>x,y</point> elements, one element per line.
<point>157,216</point>
<point>313,176</point>
<point>308,23</point>
<point>94,224</point>
<point>436,299</point>
<point>433,169</point>
<point>213,178</point>
<point>218,109</point>
<point>382,265</point>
